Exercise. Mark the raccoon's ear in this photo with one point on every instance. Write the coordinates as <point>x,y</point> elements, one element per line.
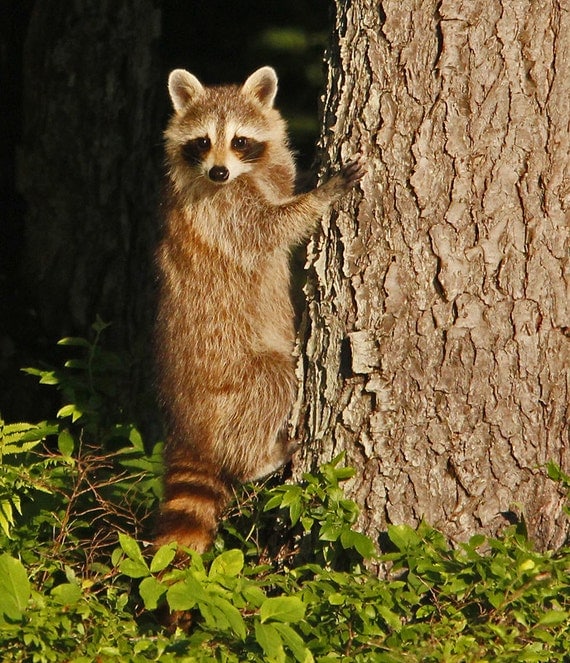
<point>262,85</point>
<point>183,87</point>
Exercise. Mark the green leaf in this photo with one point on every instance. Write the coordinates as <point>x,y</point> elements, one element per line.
<point>136,439</point>
<point>229,563</point>
<point>75,341</point>
<point>556,474</point>
<point>134,569</point>
<point>151,591</point>
<point>389,617</point>
<point>67,593</point>
<point>403,537</point>
<point>14,587</point>
<point>254,595</point>
<point>100,325</point>
<point>295,511</point>
<point>477,540</point>
<point>162,558</point>
<point>46,377</point>
<point>232,615</point>
<point>295,643</point>
<point>273,502</point>
<point>79,364</point>
<point>335,598</point>
<point>344,473</point>
<point>131,548</point>
<point>7,507</point>
<point>6,518</point>
<point>307,523</point>
<point>22,437</point>
<point>65,443</point>
<point>292,495</point>
<point>286,39</point>
<point>116,556</point>
<point>496,599</point>
<point>135,566</point>
<point>270,641</point>
<point>330,532</point>
<point>179,598</point>
<point>282,609</point>
<point>553,617</point>
<point>69,411</point>
<point>362,543</point>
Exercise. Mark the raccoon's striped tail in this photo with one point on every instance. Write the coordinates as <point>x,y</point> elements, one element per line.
<point>194,497</point>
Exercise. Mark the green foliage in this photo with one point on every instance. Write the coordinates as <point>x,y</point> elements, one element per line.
<point>556,474</point>
<point>318,505</point>
<point>18,480</point>
<point>289,579</point>
<point>91,382</point>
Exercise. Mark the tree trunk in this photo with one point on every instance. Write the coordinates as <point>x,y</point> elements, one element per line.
<point>435,349</point>
<point>89,168</point>
<point>89,163</point>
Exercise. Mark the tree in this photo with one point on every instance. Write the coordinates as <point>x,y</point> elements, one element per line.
<point>90,161</point>
<point>89,168</point>
<point>435,346</point>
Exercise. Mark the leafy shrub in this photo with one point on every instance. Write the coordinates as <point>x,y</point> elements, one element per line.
<point>289,578</point>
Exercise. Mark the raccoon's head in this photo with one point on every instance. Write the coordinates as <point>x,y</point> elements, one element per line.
<point>220,133</point>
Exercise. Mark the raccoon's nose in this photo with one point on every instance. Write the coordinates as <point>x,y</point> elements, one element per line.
<point>218,173</point>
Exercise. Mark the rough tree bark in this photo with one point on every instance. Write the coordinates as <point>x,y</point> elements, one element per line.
<point>90,162</point>
<point>436,347</point>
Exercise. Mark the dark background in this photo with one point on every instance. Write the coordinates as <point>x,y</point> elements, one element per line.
<point>83,105</point>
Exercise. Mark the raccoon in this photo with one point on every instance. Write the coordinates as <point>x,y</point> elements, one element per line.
<point>225,323</point>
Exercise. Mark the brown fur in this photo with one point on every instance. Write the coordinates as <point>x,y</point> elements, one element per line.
<point>225,322</point>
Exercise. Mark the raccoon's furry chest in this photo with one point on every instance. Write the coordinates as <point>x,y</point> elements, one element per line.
<point>222,294</point>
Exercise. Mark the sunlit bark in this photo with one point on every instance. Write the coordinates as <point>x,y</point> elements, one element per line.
<point>436,349</point>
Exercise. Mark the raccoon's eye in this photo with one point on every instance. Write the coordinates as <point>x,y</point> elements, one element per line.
<point>203,143</point>
<point>193,151</point>
<point>239,143</point>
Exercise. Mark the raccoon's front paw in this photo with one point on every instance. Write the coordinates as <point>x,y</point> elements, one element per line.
<point>352,173</point>
<point>347,177</point>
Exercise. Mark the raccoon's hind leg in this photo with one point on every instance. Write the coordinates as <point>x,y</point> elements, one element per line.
<point>195,494</point>
<point>252,438</point>
<point>279,452</point>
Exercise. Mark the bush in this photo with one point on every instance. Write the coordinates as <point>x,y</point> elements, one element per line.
<point>289,578</point>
